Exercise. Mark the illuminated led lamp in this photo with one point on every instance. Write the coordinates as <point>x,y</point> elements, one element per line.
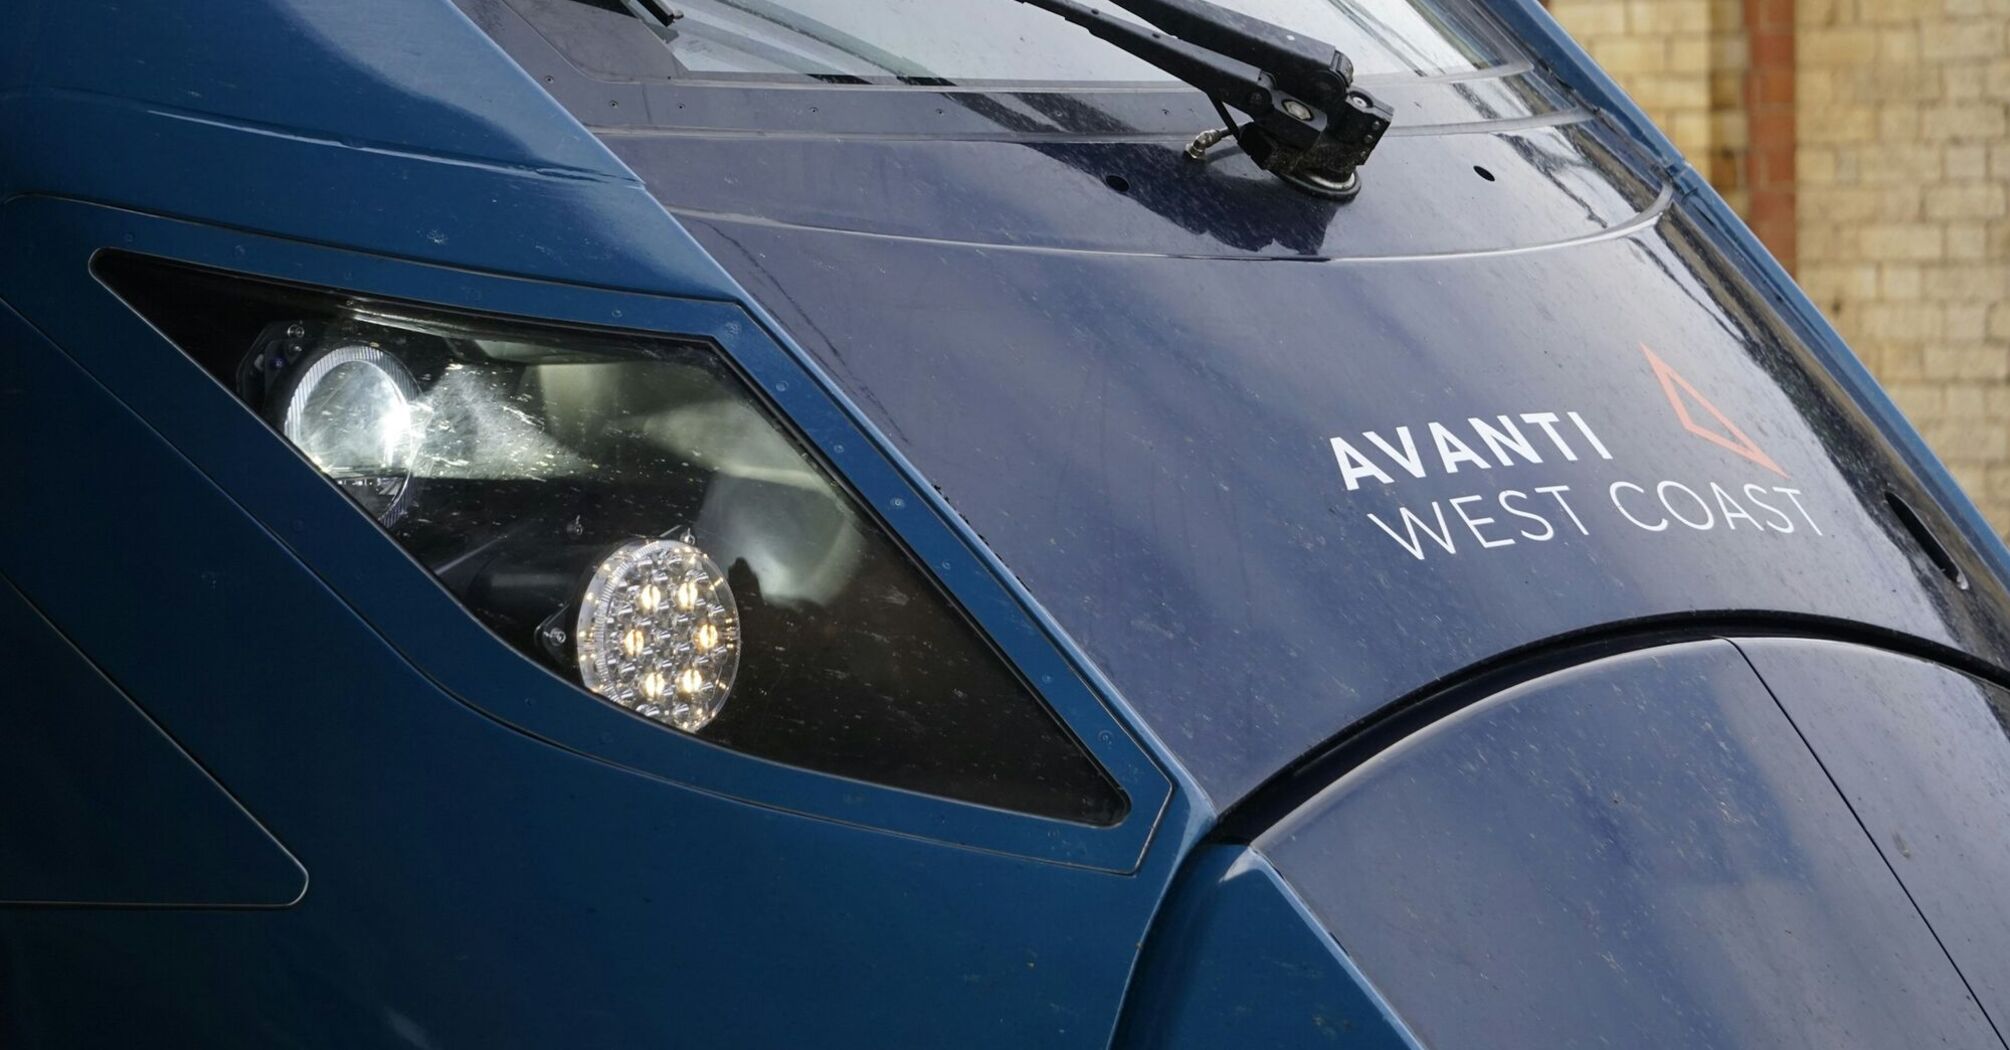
<point>349,409</point>
<point>659,633</point>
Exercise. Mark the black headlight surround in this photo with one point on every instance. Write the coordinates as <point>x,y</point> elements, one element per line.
<point>214,315</point>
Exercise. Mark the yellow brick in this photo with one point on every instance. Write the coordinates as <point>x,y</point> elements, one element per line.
<point>1729,129</point>
<point>1966,241</point>
<point>1903,167</point>
<point>1899,12</point>
<point>1623,56</point>
<point>1986,283</point>
<point>1819,240</point>
<point>1962,121</point>
<point>1727,89</point>
<point>1962,81</point>
<point>1691,55</point>
<point>1996,81</point>
<point>1964,401</point>
<point>1830,281</point>
<point>1966,323</point>
<point>1967,162</point>
<point>1968,473</point>
<point>1815,166</point>
<point>1730,51</point>
<point>1898,122</point>
<point>1902,83</point>
<point>1903,322</point>
<point>1837,47</point>
<point>1898,46</point>
<point>1980,200</point>
<point>1903,363</point>
<point>1901,283</point>
<point>1668,16</point>
<point>1969,38</point>
<point>1919,401</point>
<point>1691,131</point>
<point>1947,362</point>
<point>1888,241</point>
<point>1841,125</point>
<point>1998,491</point>
<point>1591,19</point>
<point>1844,204</point>
<point>1816,87</point>
<point>1812,14</point>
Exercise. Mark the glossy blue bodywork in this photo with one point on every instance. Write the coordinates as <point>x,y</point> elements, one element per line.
<point>1102,420</point>
<point>1920,753</point>
<point>99,807</point>
<point>1640,851</point>
<point>1236,960</point>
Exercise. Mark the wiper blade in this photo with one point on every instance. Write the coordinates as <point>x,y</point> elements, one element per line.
<point>1308,124</point>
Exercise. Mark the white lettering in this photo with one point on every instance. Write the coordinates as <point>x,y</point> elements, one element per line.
<point>1452,451</point>
<point>1757,495</point>
<point>1557,492</point>
<point>1459,508</point>
<point>1501,442</point>
<point>1709,519</point>
<point>1795,495</point>
<point>1354,466</point>
<point>1408,459</point>
<point>1547,421</point>
<point>1424,449</point>
<point>1548,530</point>
<point>1415,544</point>
<point>1585,429</point>
<point>1725,504</point>
<point>1627,514</point>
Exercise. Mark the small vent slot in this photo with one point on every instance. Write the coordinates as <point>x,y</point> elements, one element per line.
<point>1928,543</point>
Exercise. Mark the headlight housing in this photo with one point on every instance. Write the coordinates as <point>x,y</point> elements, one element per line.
<point>349,410</point>
<point>625,510</point>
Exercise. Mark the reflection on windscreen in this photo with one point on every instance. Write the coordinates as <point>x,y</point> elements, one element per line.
<point>967,41</point>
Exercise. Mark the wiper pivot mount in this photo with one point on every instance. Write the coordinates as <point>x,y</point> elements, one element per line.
<point>1308,123</point>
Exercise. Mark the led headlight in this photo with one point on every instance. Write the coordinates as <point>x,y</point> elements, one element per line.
<point>659,633</point>
<point>349,409</point>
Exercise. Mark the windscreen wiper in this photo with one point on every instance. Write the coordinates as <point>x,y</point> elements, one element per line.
<point>1308,124</point>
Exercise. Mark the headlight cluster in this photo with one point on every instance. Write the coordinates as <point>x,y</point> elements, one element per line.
<point>624,510</point>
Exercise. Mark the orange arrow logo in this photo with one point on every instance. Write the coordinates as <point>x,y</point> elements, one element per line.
<point>1731,438</point>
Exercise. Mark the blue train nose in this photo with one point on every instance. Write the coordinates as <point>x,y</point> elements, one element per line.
<point>1657,849</point>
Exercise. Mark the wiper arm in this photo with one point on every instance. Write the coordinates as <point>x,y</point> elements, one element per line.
<point>1308,124</point>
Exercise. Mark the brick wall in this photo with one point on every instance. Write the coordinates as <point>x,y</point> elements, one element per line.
<point>1904,161</point>
<point>1685,62</point>
<point>1870,147</point>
